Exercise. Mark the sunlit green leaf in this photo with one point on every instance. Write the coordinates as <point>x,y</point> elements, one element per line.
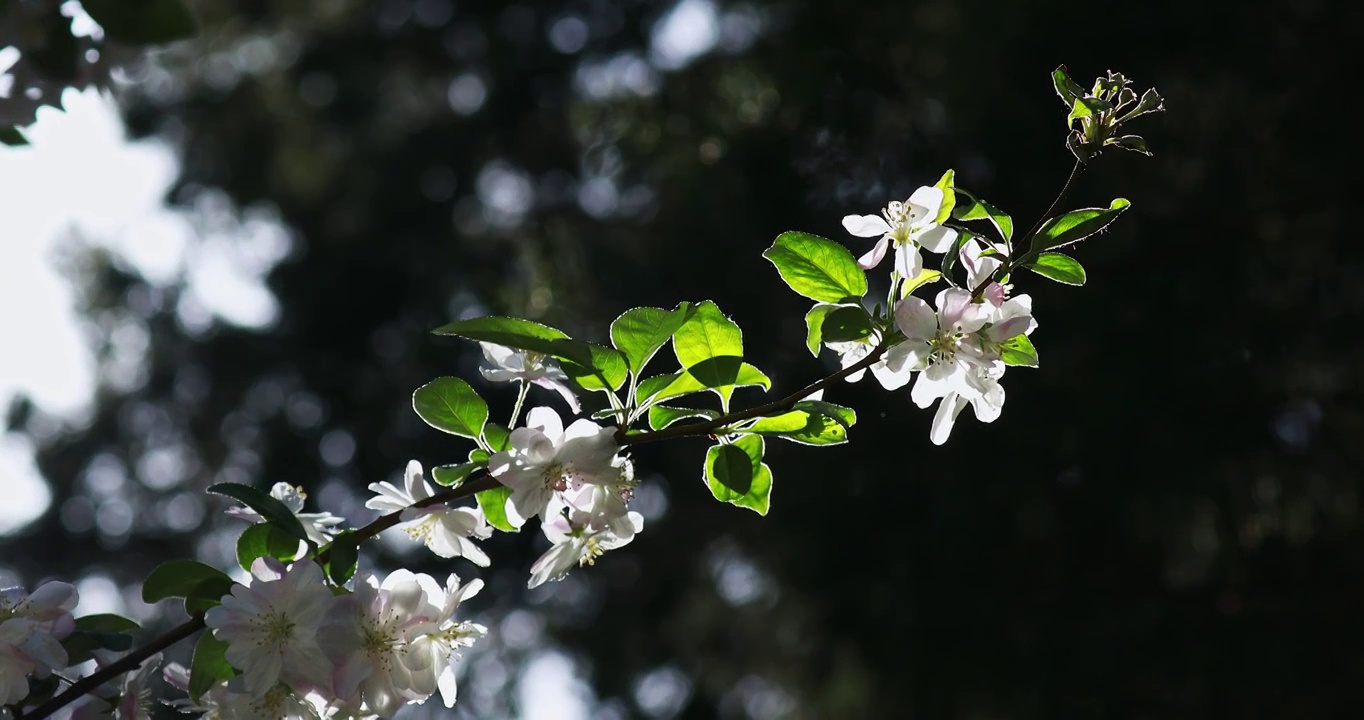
<point>817,268</point>
<point>265,540</point>
<point>449,404</point>
<point>736,474</point>
<point>494,505</point>
<point>949,195</point>
<point>847,323</point>
<point>640,332</point>
<point>1019,351</point>
<point>1068,89</point>
<point>1059,267</point>
<point>454,475</point>
<point>1077,225</point>
<point>978,209</point>
<point>661,416</point>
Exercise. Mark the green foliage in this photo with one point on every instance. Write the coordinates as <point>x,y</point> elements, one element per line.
<point>640,332</point>
<point>265,540</point>
<point>201,586</point>
<point>1018,351</point>
<point>1135,143</point>
<point>1077,225</point>
<point>816,423</point>
<point>1067,89</point>
<point>661,416</point>
<point>209,665</point>
<point>450,405</point>
<point>710,349</point>
<point>344,557</point>
<point>814,326</point>
<point>98,632</point>
<point>924,277</point>
<point>736,474</point>
<point>847,323</point>
<point>494,505</point>
<point>12,137</point>
<point>684,383</point>
<point>273,511</point>
<point>454,475</point>
<point>142,22</point>
<point>949,196</point>
<point>818,268</point>
<point>1059,267</point>
<point>978,209</point>
<point>845,416</point>
<point>594,367</point>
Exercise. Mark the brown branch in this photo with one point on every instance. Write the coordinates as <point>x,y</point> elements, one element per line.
<point>777,406</point>
<point>134,659</point>
<point>1009,264</point>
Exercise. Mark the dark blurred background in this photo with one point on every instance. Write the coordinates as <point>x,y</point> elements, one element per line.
<point>1165,523</point>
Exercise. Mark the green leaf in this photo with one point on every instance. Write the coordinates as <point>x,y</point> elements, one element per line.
<point>594,367</point>
<point>105,623</point>
<point>814,326</point>
<point>685,383</point>
<point>802,426</point>
<point>736,474</point>
<point>1059,267</point>
<point>1068,89</point>
<point>640,332</point>
<point>1135,143</point>
<point>978,209</point>
<point>949,196</point>
<point>344,558</point>
<point>1018,351</point>
<point>497,437</point>
<point>144,22</point>
<point>1087,107</point>
<point>185,579</point>
<point>710,348</point>
<point>1077,225</point>
<point>454,475</point>
<point>12,137</point>
<point>924,277</point>
<point>209,666</point>
<point>450,405</point>
<point>648,388</point>
<point>265,540</point>
<point>817,268</point>
<point>661,416</point>
<point>1151,101</point>
<point>275,512</point>
<point>846,324</point>
<point>494,505</point>
<point>845,416</point>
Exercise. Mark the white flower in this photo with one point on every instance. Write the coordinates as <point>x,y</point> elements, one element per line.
<point>506,365</point>
<point>1008,320</point>
<point>320,527</point>
<point>31,630</point>
<point>853,351</point>
<point>228,701</point>
<point>908,225</point>
<point>545,459</point>
<point>982,392</point>
<point>376,627</point>
<point>443,529</point>
<point>979,269</point>
<point>934,342</point>
<point>271,627</point>
<point>432,655</point>
<point>135,698</point>
<point>578,542</point>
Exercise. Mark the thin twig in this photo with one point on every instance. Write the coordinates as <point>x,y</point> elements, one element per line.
<point>1009,264</point>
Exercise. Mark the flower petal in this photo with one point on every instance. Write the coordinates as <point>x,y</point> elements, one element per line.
<point>916,319</point>
<point>945,418</point>
<point>865,225</point>
<point>909,262</point>
<point>937,239</point>
<point>875,255</point>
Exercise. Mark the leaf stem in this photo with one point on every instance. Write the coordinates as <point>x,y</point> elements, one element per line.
<point>1009,264</point>
<point>520,400</point>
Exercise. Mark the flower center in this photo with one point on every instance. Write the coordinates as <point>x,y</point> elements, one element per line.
<point>945,345</point>
<point>900,216</point>
<point>276,629</point>
<point>557,475</point>
<point>421,530</point>
<point>592,550</point>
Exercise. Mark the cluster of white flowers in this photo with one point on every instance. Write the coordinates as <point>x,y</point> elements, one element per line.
<point>304,652</point>
<point>32,627</point>
<point>957,347</point>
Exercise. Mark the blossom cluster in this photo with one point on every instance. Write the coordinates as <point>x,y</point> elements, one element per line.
<point>305,652</point>
<point>32,627</point>
<point>956,345</point>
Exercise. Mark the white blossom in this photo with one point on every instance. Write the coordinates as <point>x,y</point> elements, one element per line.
<point>135,697</point>
<point>980,269</point>
<point>578,541</point>
<point>320,527</point>
<point>907,225</point>
<point>32,627</point>
<point>546,459</point>
<point>507,365</point>
<point>228,700</point>
<point>435,652</point>
<point>446,530</point>
<point>853,351</point>
<point>271,626</point>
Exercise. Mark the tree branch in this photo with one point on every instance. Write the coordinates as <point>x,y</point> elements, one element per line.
<point>1008,265</point>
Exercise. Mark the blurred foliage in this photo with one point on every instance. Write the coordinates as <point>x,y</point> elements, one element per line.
<point>1164,522</point>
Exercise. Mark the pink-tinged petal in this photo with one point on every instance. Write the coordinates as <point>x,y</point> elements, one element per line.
<point>993,294</point>
<point>930,199</point>
<point>956,310</point>
<point>937,239</point>
<point>875,255</point>
<point>54,595</point>
<point>265,569</point>
<point>865,225</point>
<point>262,672</point>
<point>915,319</point>
<point>564,391</point>
<point>908,260</point>
<point>945,418</point>
<point>547,421</point>
<point>988,406</point>
<point>1010,328</point>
